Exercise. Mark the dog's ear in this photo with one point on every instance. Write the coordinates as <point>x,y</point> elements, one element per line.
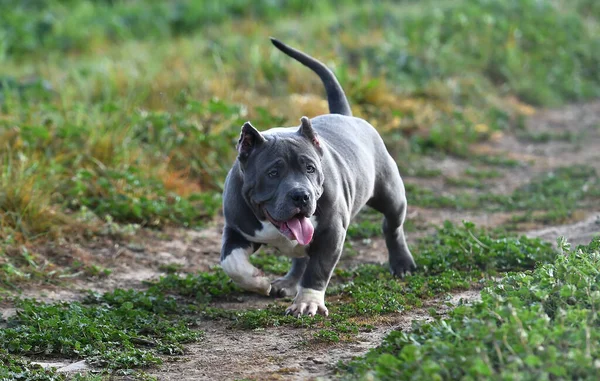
<point>308,132</point>
<point>250,139</point>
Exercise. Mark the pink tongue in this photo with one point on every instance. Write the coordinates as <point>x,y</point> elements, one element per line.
<point>302,229</point>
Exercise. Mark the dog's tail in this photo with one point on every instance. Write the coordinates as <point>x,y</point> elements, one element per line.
<point>338,104</point>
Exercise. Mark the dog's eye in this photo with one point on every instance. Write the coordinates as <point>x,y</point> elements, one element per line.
<point>310,168</point>
<point>273,173</point>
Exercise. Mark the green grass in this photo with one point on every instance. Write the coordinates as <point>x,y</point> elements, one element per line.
<point>127,329</point>
<point>13,368</point>
<point>123,330</point>
<point>560,191</point>
<point>130,110</point>
<point>535,325</point>
<point>117,116</point>
<point>118,330</point>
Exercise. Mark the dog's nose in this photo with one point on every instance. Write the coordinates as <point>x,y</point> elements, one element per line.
<point>300,197</point>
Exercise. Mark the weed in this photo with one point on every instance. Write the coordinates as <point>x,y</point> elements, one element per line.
<point>544,137</point>
<point>425,197</point>
<point>13,368</point>
<point>126,330</point>
<point>270,263</point>
<point>367,224</point>
<point>479,173</point>
<point>496,160</point>
<point>538,323</point>
<point>561,190</point>
<point>565,186</point>
<point>326,336</point>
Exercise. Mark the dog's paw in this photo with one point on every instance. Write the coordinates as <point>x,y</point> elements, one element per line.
<point>284,287</point>
<point>403,266</point>
<point>243,274</point>
<point>308,302</point>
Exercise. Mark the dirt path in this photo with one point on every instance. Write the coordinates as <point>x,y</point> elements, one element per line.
<point>281,352</point>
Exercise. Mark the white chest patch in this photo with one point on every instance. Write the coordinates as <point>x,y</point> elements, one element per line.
<point>270,235</point>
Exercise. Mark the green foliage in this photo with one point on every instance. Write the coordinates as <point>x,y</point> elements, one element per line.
<point>563,186</point>
<point>270,263</point>
<point>14,368</point>
<point>111,333</point>
<point>507,42</point>
<point>129,196</point>
<point>203,287</point>
<point>533,325</point>
<point>54,25</point>
<point>118,136</point>
<point>421,196</point>
<point>561,190</point>
<point>127,329</point>
<point>367,224</point>
<point>479,173</point>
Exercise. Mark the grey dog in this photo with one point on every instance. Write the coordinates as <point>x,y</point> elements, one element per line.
<point>298,188</point>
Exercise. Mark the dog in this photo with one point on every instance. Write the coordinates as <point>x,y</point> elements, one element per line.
<point>298,188</point>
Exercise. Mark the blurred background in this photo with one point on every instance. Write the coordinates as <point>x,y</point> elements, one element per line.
<point>128,111</point>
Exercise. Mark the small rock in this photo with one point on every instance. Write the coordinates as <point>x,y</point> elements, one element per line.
<point>47,365</point>
<point>75,367</point>
<point>136,247</point>
<point>168,258</point>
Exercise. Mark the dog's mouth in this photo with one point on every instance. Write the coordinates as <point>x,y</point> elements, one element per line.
<point>298,228</point>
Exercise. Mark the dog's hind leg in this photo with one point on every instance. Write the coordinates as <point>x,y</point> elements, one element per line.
<point>288,285</point>
<point>389,198</point>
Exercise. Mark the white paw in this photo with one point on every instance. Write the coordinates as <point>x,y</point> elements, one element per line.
<point>243,274</point>
<point>308,302</point>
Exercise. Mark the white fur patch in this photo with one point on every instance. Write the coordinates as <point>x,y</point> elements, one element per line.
<point>244,274</point>
<point>310,295</point>
<point>270,235</point>
<point>308,301</point>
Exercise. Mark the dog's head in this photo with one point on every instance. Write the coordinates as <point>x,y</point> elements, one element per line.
<point>283,177</point>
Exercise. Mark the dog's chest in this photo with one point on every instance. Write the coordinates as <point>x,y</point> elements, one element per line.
<point>270,235</point>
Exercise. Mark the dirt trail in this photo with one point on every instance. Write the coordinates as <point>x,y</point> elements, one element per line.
<point>281,352</point>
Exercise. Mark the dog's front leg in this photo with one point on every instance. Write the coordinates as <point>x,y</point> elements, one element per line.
<point>324,252</point>
<point>235,252</point>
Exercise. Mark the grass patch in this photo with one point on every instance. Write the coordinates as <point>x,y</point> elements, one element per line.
<point>496,160</point>
<point>482,173</point>
<point>545,137</point>
<point>368,224</point>
<point>425,197</point>
<point>127,329</point>
<point>120,331</point>
<point>31,27</point>
<point>562,190</point>
<point>105,109</point>
<point>552,217</point>
<point>537,324</point>
<point>270,263</point>
<point>565,186</point>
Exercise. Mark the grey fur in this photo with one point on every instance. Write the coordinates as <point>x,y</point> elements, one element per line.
<point>338,104</point>
<point>336,164</point>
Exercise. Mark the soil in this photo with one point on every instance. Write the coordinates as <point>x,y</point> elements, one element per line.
<point>282,353</point>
